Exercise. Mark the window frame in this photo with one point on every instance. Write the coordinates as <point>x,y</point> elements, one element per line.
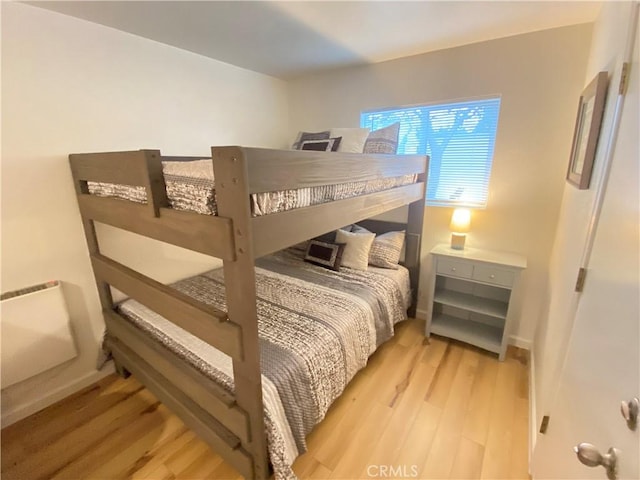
<point>444,103</point>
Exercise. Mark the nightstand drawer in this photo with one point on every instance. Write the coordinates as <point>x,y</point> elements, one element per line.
<point>454,269</point>
<point>496,276</point>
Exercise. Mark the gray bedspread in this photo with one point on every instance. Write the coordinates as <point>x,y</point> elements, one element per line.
<point>317,330</point>
<point>190,186</point>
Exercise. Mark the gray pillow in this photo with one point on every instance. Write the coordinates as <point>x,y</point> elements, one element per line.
<point>386,250</point>
<point>384,140</point>
<point>355,228</point>
<point>330,237</point>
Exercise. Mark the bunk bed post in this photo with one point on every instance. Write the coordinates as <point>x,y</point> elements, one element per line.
<point>232,194</point>
<point>154,182</point>
<point>104,292</point>
<point>414,233</point>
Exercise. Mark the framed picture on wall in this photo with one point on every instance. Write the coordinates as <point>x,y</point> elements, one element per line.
<point>587,131</point>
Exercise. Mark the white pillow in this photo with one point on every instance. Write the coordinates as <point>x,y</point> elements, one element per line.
<point>353,139</point>
<point>356,250</point>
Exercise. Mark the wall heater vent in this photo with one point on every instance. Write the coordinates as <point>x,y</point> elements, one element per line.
<point>35,330</point>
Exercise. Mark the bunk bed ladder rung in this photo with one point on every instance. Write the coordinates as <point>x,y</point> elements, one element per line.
<point>210,396</point>
<point>205,322</point>
<point>203,233</point>
<point>209,429</point>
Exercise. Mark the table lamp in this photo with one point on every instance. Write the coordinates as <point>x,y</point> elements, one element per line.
<point>460,223</point>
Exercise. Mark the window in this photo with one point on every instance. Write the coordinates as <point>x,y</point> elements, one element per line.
<point>459,138</point>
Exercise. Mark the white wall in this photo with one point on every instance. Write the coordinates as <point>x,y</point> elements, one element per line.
<point>70,86</point>
<point>554,330</point>
<point>539,77</point>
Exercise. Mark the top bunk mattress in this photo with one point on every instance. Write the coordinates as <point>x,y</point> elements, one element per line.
<point>191,186</point>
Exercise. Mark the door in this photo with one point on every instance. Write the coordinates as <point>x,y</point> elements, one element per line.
<point>602,367</point>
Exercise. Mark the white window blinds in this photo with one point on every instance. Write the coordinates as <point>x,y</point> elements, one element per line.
<point>459,138</point>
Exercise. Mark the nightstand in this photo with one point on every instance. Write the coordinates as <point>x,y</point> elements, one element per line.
<point>472,294</point>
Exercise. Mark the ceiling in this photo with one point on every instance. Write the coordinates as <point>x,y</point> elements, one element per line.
<point>287,39</point>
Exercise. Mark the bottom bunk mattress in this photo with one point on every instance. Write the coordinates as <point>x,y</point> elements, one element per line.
<point>317,329</point>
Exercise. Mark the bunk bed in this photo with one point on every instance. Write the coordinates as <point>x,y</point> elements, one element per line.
<point>231,417</point>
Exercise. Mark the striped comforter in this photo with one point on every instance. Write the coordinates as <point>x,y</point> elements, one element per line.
<point>317,329</point>
<point>190,186</point>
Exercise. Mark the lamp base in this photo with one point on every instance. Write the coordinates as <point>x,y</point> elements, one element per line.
<point>457,241</point>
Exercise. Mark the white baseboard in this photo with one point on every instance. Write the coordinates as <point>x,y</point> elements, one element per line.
<point>23,411</point>
<point>533,427</point>
<point>520,342</point>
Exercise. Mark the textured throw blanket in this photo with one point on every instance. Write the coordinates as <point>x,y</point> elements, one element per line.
<point>317,329</point>
<point>190,186</point>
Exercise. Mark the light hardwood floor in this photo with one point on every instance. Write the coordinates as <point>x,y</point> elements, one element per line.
<point>437,409</point>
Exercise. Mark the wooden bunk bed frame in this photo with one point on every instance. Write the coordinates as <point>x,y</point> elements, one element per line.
<point>233,424</point>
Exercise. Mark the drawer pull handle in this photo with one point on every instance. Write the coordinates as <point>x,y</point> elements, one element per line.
<point>453,269</point>
<point>492,276</point>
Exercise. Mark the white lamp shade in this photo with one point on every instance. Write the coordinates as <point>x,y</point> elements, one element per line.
<point>460,220</point>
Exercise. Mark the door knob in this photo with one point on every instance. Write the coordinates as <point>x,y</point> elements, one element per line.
<point>629,411</point>
<point>591,457</point>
